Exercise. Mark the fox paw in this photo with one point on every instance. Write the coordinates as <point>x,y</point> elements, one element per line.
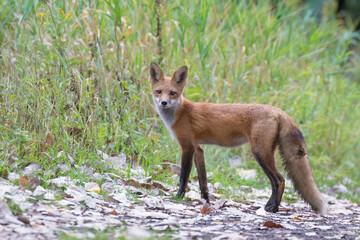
<point>271,208</point>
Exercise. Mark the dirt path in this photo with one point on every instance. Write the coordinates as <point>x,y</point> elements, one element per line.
<point>82,213</point>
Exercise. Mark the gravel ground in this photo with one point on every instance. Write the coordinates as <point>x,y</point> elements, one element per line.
<point>80,212</point>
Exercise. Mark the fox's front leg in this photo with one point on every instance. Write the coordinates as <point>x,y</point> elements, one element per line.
<point>200,166</point>
<point>186,164</point>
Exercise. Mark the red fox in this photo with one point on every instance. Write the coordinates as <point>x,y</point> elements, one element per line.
<point>266,128</point>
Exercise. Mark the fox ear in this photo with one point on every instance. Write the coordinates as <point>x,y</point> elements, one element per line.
<point>155,73</point>
<point>180,75</point>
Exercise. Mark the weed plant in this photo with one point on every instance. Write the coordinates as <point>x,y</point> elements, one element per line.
<point>74,78</point>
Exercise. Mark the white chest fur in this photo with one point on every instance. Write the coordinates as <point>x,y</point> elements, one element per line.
<point>168,117</point>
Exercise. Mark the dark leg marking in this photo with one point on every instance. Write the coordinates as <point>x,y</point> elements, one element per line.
<point>200,166</point>
<point>276,180</point>
<point>186,165</point>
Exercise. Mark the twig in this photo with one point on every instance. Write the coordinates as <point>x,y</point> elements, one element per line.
<point>158,29</point>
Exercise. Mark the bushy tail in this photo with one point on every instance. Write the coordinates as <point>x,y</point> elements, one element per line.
<point>292,150</point>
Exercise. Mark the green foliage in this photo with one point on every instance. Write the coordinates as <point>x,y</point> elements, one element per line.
<point>16,210</point>
<point>118,233</point>
<point>74,78</point>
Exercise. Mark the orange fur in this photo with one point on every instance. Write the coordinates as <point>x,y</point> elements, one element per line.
<point>229,125</point>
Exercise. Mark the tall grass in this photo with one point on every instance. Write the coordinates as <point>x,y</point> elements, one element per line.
<point>74,77</point>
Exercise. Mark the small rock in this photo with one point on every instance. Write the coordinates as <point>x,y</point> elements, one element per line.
<point>136,232</point>
<point>236,161</point>
<point>246,189</point>
<point>6,215</point>
<point>218,185</point>
<point>86,170</point>
<point>193,195</point>
<point>62,181</point>
<point>49,196</point>
<point>31,170</point>
<point>66,203</point>
<point>13,176</point>
<point>63,167</point>
<point>246,174</point>
<point>261,212</point>
<point>323,227</point>
<point>153,202</point>
<point>39,191</point>
<point>220,203</point>
<point>72,160</point>
<point>108,187</point>
<point>118,162</point>
<point>230,236</point>
<point>77,193</point>
<point>122,198</point>
<point>339,189</point>
<point>97,176</point>
<point>101,154</point>
<point>211,188</point>
<point>60,154</point>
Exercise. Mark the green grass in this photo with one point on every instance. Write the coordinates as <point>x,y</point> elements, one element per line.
<point>119,233</point>
<point>74,78</point>
<point>15,209</point>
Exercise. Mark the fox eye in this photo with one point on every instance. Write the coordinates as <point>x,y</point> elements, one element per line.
<point>172,93</point>
<point>158,91</point>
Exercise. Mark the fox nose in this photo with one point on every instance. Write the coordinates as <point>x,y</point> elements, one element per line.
<point>164,103</point>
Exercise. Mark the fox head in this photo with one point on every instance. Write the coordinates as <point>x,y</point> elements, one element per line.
<point>167,91</point>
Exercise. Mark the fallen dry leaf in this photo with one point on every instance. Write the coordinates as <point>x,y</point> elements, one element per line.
<point>271,224</point>
<point>297,218</point>
<point>154,136</point>
<point>159,185</point>
<point>135,161</point>
<point>24,220</point>
<point>37,224</point>
<point>205,209</point>
<point>172,167</point>
<point>92,187</point>
<point>132,182</point>
<point>4,174</point>
<point>159,213</point>
<point>113,212</point>
<point>34,182</point>
<point>23,181</point>
<point>49,139</point>
<point>137,184</point>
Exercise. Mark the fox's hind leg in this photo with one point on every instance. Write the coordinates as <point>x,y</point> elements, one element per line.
<point>263,145</point>
<point>267,162</point>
